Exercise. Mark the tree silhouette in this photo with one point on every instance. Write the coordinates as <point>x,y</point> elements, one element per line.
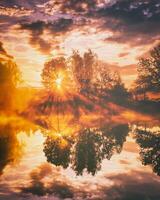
<point>9,77</point>
<point>108,85</point>
<point>87,153</point>
<point>87,148</point>
<point>113,139</point>
<point>149,73</point>
<point>149,143</point>
<point>10,149</point>
<point>83,69</point>
<point>118,93</point>
<point>54,71</point>
<point>57,151</point>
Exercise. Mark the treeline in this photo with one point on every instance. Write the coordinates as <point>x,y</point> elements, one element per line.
<point>90,77</point>
<point>87,76</point>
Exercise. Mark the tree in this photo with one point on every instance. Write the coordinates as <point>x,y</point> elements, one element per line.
<point>103,81</point>
<point>118,93</point>
<point>57,151</point>
<point>86,149</point>
<point>83,69</point>
<point>55,73</point>
<point>9,78</point>
<point>108,85</point>
<point>10,148</point>
<point>149,143</point>
<point>113,139</point>
<point>148,79</point>
<point>87,153</point>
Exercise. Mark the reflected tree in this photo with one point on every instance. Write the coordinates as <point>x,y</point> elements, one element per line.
<point>57,151</point>
<point>87,153</point>
<point>10,149</point>
<point>149,143</point>
<point>87,149</point>
<point>113,139</point>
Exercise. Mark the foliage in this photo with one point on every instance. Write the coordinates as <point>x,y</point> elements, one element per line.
<point>83,68</point>
<point>149,143</point>
<point>87,149</point>
<point>108,85</point>
<point>148,79</point>
<point>9,78</point>
<point>51,71</point>
<point>87,152</point>
<point>57,153</point>
<point>10,148</point>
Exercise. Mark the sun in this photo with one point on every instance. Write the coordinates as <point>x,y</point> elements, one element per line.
<point>62,83</point>
<point>58,81</point>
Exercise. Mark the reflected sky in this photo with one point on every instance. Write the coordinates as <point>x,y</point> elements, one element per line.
<point>107,161</point>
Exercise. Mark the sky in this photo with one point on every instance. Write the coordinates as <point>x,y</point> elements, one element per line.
<point>118,31</point>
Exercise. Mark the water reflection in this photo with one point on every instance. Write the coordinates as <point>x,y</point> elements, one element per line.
<point>57,151</point>
<point>87,148</point>
<point>64,153</point>
<point>149,142</point>
<point>80,148</point>
<point>11,147</point>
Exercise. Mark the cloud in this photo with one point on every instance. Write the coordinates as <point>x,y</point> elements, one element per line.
<point>79,6</point>
<point>134,22</point>
<point>19,12</point>
<point>131,22</point>
<point>47,180</point>
<point>56,26</point>
<point>22,3</point>
<point>58,186</point>
<point>37,29</point>
<point>123,54</point>
<point>135,185</point>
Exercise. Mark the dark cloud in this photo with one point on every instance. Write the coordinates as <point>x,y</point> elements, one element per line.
<point>49,182</point>
<point>6,22</point>
<point>79,6</point>
<point>130,21</point>
<point>133,186</point>
<point>22,3</point>
<point>127,186</point>
<point>57,186</point>
<point>56,28</point>
<point>134,22</point>
<point>40,44</point>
